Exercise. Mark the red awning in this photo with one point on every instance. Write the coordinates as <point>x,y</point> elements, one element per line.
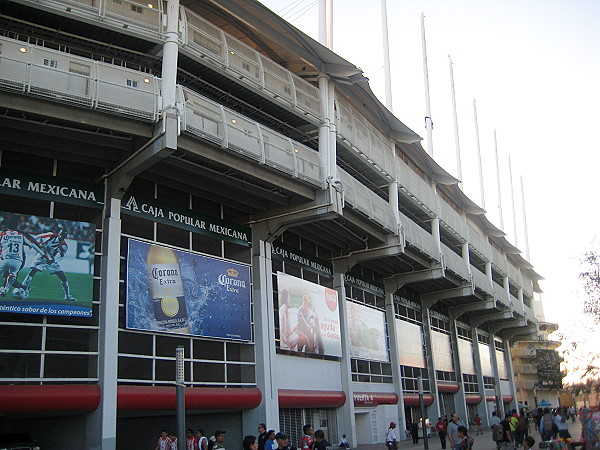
<point>292,398</point>
<point>473,399</point>
<point>413,399</point>
<point>153,398</point>
<point>448,387</point>
<point>71,397</point>
<point>375,398</point>
<point>505,398</point>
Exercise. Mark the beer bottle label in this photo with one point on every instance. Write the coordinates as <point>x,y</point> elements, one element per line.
<point>168,299</point>
<point>165,280</point>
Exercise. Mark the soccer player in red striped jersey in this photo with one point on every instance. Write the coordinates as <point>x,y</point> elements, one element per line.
<point>55,248</point>
<point>164,442</point>
<point>12,253</point>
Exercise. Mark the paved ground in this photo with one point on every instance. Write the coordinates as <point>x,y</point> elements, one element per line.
<point>482,442</point>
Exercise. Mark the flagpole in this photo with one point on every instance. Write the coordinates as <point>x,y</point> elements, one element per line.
<point>498,183</point>
<point>322,22</point>
<point>386,56</point>
<point>512,199</point>
<point>527,256</point>
<point>428,121</point>
<point>329,16</point>
<point>479,156</point>
<point>455,117</point>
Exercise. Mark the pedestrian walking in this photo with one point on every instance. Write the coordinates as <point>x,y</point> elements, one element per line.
<point>441,427</point>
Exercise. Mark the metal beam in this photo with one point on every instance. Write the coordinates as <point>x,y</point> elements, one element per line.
<point>505,325</point>
<point>461,291</point>
<point>327,205</point>
<point>502,315</point>
<point>394,246</point>
<point>488,303</point>
<point>66,113</point>
<point>250,169</point>
<point>395,282</point>
<point>163,144</point>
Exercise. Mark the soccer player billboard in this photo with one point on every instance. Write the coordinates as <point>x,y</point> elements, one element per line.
<point>367,332</point>
<point>46,265</point>
<point>309,317</point>
<point>175,291</point>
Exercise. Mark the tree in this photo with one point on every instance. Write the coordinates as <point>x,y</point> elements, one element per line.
<point>590,276</point>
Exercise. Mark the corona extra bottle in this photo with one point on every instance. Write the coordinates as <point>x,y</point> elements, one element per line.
<point>166,287</point>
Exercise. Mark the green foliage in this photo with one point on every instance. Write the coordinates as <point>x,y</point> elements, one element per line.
<point>590,277</point>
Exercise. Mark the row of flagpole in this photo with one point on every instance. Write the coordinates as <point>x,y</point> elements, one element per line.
<point>326,38</point>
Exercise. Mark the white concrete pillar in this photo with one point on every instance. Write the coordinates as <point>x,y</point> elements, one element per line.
<point>506,286</point>
<point>332,132</point>
<point>394,198</point>
<point>521,297</point>
<point>170,55</point>
<point>466,255</point>
<point>488,272</point>
<point>102,423</point>
<point>435,231</point>
<point>345,416</point>
<point>324,126</point>
<point>482,407</point>
<point>497,390</point>
<point>264,337</point>
<point>511,375</point>
<point>390,317</point>
<point>434,409</point>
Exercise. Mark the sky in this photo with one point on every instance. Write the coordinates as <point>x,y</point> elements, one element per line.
<point>533,68</point>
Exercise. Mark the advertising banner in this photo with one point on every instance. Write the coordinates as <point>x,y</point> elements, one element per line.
<point>47,265</point>
<point>465,350</point>
<point>367,332</point>
<point>150,209</point>
<point>548,362</point>
<point>485,359</point>
<point>186,293</point>
<point>442,351</point>
<point>309,317</point>
<point>54,189</point>
<point>410,344</point>
<point>291,255</point>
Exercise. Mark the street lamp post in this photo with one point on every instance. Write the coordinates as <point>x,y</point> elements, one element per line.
<point>423,415</point>
<point>180,387</point>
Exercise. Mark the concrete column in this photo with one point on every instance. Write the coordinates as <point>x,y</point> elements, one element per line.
<point>435,231</point>
<point>482,407</point>
<point>390,317</point>
<point>497,390</point>
<point>434,409</point>
<point>170,55</point>
<point>324,143</point>
<point>264,337</point>
<point>393,195</point>
<point>520,297</point>
<point>511,375</point>
<point>102,423</point>
<point>466,256</point>
<point>488,272</point>
<point>345,416</point>
<point>460,402</point>
<point>506,286</point>
<point>332,132</point>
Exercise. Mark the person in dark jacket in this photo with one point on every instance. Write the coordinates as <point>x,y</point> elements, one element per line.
<point>320,442</point>
<point>414,432</point>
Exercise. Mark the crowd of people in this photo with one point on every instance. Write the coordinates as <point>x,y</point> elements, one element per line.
<point>266,440</point>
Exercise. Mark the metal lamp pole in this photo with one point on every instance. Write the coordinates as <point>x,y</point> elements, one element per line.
<point>423,417</point>
<point>180,387</point>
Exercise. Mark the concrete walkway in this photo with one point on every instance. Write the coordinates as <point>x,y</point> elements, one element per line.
<point>482,442</point>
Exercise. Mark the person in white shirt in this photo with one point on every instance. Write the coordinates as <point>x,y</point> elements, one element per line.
<point>560,420</point>
<point>391,441</point>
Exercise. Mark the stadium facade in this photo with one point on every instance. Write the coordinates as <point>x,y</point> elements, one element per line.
<point>229,185</point>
